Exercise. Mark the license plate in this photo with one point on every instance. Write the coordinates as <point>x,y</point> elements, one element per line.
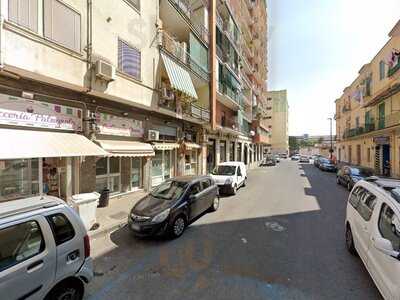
<point>135,227</point>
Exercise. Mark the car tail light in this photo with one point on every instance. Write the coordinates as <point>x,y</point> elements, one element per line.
<point>86,242</point>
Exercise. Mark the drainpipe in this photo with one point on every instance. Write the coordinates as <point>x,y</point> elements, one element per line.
<point>213,61</point>
<point>89,46</point>
<point>2,45</point>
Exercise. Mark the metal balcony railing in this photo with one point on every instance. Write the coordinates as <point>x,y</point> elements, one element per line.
<point>179,51</point>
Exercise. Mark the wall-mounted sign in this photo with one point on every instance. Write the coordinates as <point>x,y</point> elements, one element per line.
<point>113,125</point>
<point>31,113</point>
<point>382,140</point>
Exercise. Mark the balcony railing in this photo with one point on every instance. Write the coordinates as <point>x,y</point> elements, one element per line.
<point>179,51</point>
<point>394,69</point>
<point>197,112</point>
<point>184,7</point>
<point>223,88</point>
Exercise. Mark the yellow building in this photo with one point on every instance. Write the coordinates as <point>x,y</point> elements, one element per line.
<point>278,120</point>
<point>368,113</point>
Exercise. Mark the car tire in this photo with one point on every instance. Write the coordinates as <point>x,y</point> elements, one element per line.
<point>66,290</point>
<point>234,189</point>
<point>178,226</point>
<point>337,180</point>
<point>215,205</point>
<point>350,241</point>
<point>348,186</point>
<point>244,182</point>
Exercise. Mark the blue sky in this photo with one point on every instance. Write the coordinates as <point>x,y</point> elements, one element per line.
<point>316,48</point>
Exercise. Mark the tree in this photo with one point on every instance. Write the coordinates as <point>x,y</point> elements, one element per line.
<point>293,144</point>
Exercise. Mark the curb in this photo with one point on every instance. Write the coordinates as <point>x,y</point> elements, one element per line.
<point>104,231</point>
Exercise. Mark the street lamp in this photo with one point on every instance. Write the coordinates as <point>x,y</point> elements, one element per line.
<point>331,149</point>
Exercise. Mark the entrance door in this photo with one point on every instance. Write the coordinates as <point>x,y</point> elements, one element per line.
<point>386,160</point>
<point>245,154</point>
<point>381,116</point>
<point>210,155</point>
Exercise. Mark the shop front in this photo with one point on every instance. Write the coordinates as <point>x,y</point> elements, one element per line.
<point>41,150</point>
<point>123,170</point>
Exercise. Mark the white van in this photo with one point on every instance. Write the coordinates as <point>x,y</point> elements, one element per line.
<point>44,250</point>
<point>229,176</point>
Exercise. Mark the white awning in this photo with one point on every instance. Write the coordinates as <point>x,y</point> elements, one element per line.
<point>35,144</point>
<point>126,148</point>
<point>190,146</point>
<point>165,146</point>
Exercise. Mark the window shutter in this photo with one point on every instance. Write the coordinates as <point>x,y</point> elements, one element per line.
<point>129,60</point>
<point>24,13</point>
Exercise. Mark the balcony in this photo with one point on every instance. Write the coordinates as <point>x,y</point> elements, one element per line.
<point>184,8</point>
<point>171,101</point>
<point>228,97</point>
<point>179,51</point>
<point>394,69</point>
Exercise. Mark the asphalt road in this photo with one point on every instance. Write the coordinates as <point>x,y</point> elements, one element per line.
<point>281,237</point>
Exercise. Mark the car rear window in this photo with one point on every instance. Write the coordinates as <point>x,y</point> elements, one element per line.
<point>62,229</point>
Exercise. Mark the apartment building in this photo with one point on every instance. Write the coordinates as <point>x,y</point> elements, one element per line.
<point>278,121</point>
<point>120,95</point>
<point>368,112</point>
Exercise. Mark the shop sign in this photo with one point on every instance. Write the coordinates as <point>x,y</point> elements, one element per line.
<point>113,125</point>
<point>18,111</point>
<point>382,140</point>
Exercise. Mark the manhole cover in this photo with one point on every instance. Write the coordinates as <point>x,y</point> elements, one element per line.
<point>119,215</point>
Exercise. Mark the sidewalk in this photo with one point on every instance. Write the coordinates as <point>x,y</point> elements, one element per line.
<point>116,214</point>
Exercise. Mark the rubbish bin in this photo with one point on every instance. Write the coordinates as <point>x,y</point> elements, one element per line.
<point>104,198</point>
<point>85,205</point>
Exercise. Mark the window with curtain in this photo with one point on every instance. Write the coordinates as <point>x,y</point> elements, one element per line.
<point>129,60</point>
<point>24,13</point>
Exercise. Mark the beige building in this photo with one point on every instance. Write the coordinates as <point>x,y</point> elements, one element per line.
<point>368,112</point>
<point>278,120</point>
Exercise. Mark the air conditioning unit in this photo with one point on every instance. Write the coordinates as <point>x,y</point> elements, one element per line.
<point>105,70</point>
<point>153,135</point>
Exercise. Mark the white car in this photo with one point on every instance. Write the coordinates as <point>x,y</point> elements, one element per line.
<point>229,176</point>
<point>44,250</point>
<point>373,231</point>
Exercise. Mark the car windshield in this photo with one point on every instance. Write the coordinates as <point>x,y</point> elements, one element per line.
<point>224,170</point>
<point>361,172</point>
<point>325,161</point>
<point>169,190</point>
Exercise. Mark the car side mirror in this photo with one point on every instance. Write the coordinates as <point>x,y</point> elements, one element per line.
<point>192,197</point>
<point>385,246</point>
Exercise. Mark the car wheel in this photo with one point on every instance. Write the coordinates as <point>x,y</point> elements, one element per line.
<point>178,226</point>
<point>349,241</point>
<point>234,190</point>
<point>244,182</point>
<point>337,180</point>
<point>66,291</point>
<point>348,186</point>
<point>215,204</point>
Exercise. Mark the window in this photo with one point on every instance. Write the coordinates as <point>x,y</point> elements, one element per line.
<point>381,70</point>
<point>18,178</point>
<point>366,205</point>
<point>195,189</point>
<point>129,60</point>
<point>389,226</point>
<point>206,184</point>
<point>62,229</point>
<point>354,198</point>
<point>108,174</point>
<point>24,13</point>
<point>368,154</point>
<point>20,242</point>
<point>136,173</point>
<point>134,3</point>
<point>62,24</point>
<point>222,151</point>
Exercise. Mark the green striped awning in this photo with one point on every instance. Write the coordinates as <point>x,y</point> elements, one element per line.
<point>179,77</point>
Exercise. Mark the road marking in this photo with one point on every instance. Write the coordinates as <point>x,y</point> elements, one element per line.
<point>275,226</point>
<point>244,241</point>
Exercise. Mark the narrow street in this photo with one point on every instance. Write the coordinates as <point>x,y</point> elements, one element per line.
<point>281,237</point>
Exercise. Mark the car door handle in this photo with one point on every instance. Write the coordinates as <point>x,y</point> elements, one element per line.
<point>34,266</point>
<point>73,256</point>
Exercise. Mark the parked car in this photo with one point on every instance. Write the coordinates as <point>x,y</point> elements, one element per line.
<point>283,155</point>
<point>173,205</point>
<point>349,175</point>
<point>295,157</point>
<point>277,158</point>
<point>304,159</point>
<point>327,165</point>
<point>373,231</point>
<point>230,176</point>
<point>268,161</point>
<point>44,250</point>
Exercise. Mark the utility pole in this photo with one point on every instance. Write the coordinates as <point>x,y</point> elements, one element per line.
<point>331,149</point>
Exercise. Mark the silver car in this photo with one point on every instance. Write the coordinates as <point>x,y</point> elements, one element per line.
<point>44,250</point>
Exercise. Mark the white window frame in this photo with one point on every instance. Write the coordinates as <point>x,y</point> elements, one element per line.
<point>109,176</point>
<point>140,187</point>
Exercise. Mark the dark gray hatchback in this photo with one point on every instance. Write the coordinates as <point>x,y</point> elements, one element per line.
<point>173,205</point>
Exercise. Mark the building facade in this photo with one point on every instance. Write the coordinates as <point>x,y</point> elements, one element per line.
<point>123,103</point>
<point>367,113</point>
<point>278,121</point>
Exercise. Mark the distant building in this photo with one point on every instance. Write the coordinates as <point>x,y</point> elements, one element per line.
<point>278,108</point>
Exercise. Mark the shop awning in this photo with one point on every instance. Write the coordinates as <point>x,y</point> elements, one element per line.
<point>191,146</point>
<point>126,148</point>
<point>179,77</point>
<point>35,144</point>
<point>165,146</point>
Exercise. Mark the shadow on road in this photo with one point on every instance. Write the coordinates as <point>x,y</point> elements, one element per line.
<point>300,255</point>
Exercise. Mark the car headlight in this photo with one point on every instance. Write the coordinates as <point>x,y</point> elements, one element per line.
<point>161,216</point>
<point>228,181</point>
